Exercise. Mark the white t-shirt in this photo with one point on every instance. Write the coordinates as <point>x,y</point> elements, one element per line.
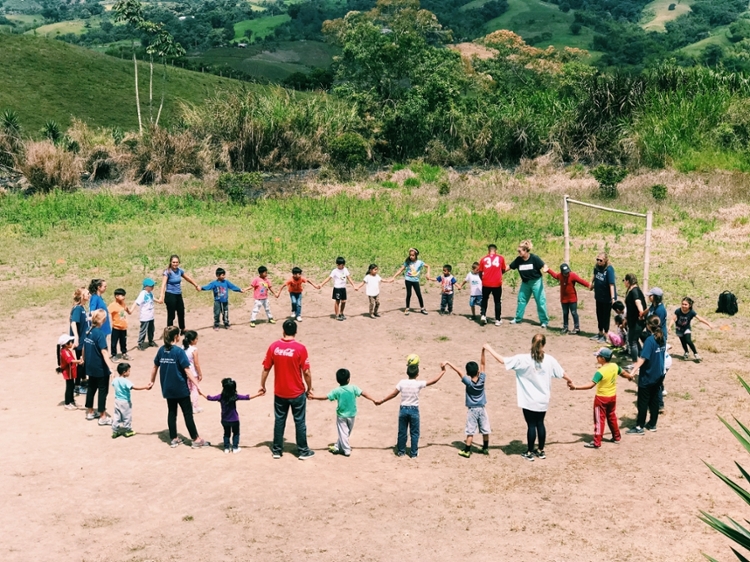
<point>339,278</point>
<point>533,380</point>
<point>372,285</point>
<point>475,282</point>
<point>409,389</point>
<point>190,351</point>
<point>145,301</point>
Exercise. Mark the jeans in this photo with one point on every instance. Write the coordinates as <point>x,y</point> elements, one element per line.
<point>446,302</point>
<point>187,412</point>
<point>146,331</point>
<point>408,418</point>
<point>296,303</point>
<point>603,315</point>
<point>413,285</point>
<point>536,289</point>
<point>374,304</point>
<point>100,385</point>
<point>497,295</point>
<point>231,429</point>
<point>175,305</point>
<point>120,336</point>
<point>221,309</point>
<point>572,308</point>
<point>281,408</point>
<point>634,344</point>
<point>648,402</point>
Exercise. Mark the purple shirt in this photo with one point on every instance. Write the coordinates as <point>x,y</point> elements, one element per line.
<point>228,411</point>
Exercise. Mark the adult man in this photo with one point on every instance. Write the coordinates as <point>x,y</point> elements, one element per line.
<point>491,269</point>
<point>289,360</point>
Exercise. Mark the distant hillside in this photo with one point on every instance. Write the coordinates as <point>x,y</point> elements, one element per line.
<point>45,79</point>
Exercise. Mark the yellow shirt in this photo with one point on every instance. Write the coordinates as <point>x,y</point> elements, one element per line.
<point>117,316</point>
<point>606,379</point>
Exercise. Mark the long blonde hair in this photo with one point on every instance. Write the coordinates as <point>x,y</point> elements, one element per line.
<point>537,347</point>
<point>98,317</point>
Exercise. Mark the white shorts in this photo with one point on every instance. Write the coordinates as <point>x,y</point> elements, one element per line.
<point>477,419</point>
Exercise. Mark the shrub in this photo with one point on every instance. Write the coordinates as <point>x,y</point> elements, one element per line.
<point>608,178</point>
<point>659,191</point>
<point>444,187</point>
<point>159,154</point>
<point>49,167</point>
<point>348,151</point>
<point>412,182</point>
<point>389,184</point>
<point>237,186</point>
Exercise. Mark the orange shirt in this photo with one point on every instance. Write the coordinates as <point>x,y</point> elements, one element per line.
<point>295,285</point>
<point>117,314</point>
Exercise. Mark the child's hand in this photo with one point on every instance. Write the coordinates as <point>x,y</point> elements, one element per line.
<point>197,288</point>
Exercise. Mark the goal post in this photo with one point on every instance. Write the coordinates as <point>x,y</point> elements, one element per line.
<point>649,216</point>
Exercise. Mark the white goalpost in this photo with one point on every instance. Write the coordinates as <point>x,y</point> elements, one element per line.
<point>649,216</point>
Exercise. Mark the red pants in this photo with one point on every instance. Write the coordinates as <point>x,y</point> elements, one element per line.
<point>604,409</point>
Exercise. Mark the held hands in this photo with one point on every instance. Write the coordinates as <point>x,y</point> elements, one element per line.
<point>262,391</point>
<point>571,386</point>
<point>149,386</point>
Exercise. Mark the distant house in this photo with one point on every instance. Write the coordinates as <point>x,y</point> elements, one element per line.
<point>242,45</point>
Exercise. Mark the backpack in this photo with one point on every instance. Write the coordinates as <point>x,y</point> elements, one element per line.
<point>727,304</point>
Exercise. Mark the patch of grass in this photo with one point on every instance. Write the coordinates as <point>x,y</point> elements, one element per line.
<point>261,27</point>
<point>657,13</point>
<point>710,159</point>
<point>718,37</point>
<point>426,173</point>
<point>389,184</point>
<point>77,27</point>
<point>412,182</point>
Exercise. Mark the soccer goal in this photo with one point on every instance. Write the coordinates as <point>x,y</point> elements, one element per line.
<point>649,216</point>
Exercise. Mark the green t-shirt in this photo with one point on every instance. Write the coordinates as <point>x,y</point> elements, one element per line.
<point>347,399</point>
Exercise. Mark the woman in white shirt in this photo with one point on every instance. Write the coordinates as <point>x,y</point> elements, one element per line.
<point>534,373</point>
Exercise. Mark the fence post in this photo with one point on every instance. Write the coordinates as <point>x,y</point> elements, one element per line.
<point>647,249</point>
<point>566,229</point>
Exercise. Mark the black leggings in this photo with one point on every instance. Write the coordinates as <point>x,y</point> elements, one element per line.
<point>634,344</point>
<point>100,384</point>
<point>413,285</point>
<point>175,304</point>
<point>187,412</point>
<point>81,372</point>
<point>603,314</point>
<point>497,295</point>
<point>70,385</point>
<point>534,426</point>
<point>687,341</point>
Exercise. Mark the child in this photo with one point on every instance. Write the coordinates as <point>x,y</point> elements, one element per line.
<point>475,289</point>
<point>230,418</point>
<point>295,291</point>
<point>189,341</point>
<point>68,368</point>
<point>408,416</point>
<point>340,276</point>
<point>221,288</point>
<point>373,280</point>
<point>117,312</point>
<point>682,318</point>
<point>447,281</point>
<point>605,381</point>
<point>145,301</point>
<point>346,396</point>
<point>618,339</point>
<point>122,422</point>
<point>476,415</point>
<point>569,296</point>
<point>261,286</point>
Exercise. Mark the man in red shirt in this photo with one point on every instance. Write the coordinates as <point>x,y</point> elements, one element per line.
<point>568,295</point>
<point>491,269</point>
<point>289,360</point>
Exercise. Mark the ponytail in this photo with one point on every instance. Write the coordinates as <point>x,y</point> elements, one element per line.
<point>654,326</point>
<point>537,347</point>
<point>94,286</point>
<point>170,333</point>
<point>188,338</point>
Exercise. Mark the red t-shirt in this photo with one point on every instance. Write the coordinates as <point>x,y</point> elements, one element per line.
<point>492,267</point>
<point>289,359</point>
<point>69,369</point>
<point>568,286</point>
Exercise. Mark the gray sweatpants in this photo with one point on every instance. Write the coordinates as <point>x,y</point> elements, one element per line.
<point>344,426</point>
<point>123,418</point>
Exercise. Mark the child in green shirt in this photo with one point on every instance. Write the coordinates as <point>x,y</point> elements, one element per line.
<point>346,410</point>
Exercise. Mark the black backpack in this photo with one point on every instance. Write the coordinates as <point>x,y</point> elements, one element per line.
<point>727,304</point>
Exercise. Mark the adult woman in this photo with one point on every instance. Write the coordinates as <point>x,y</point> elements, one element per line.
<point>529,267</point>
<point>635,305</point>
<point>97,287</point>
<point>412,269</point>
<point>650,367</point>
<point>534,373</point>
<point>79,325</point>
<point>171,291</point>
<point>605,294</point>
<point>173,366</point>
<point>98,368</point>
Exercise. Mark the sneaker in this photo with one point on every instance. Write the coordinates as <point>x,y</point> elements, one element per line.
<point>299,318</point>
<point>498,322</point>
<point>686,357</point>
<point>105,421</point>
<point>514,321</point>
<point>564,331</point>
<point>574,332</point>
<point>602,339</point>
<point>664,392</point>
<point>400,454</point>
<point>651,428</point>
<point>236,450</point>
<point>90,417</point>
<point>528,455</point>
<point>199,444</point>
<point>697,358</point>
<point>483,320</point>
<point>407,312</point>
<point>595,337</point>
<point>543,326</point>
<point>71,407</point>
<point>153,344</point>
<point>423,311</point>
<point>464,454</point>
<point>635,431</point>
<point>276,455</point>
<point>115,434</point>
<point>216,328</point>
<point>142,346</point>
<point>342,317</point>
<point>252,324</point>
<point>176,442</point>
<point>129,433</point>
<point>307,455</point>
<point>227,451</point>
<point>197,410</point>
<point>413,455</point>
<point>590,446</point>
<point>540,454</point>
<point>613,440</point>
<point>115,358</point>
<point>376,315</point>
<point>484,451</point>
<point>271,321</point>
<point>227,326</point>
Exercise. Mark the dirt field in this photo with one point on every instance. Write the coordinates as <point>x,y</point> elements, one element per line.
<point>70,492</point>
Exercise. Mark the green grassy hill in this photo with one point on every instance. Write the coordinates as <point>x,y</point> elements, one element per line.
<point>45,79</point>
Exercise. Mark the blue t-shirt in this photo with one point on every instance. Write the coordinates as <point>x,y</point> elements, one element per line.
<point>653,367</point>
<point>93,344</point>
<point>660,312</point>
<point>413,270</point>
<point>221,289</point>
<point>603,278</point>
<point>475,396</point>
<point>97,303</point>
<point>79,316</point>
<point>172,364</point>
<point>174,280</point>
<point>122,386</point>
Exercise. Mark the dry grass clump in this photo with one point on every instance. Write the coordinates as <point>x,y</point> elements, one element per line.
<point>160,154</point>
<point>49,167</point>
<point>102,154</point>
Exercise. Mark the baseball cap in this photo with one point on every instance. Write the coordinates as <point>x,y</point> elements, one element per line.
<point>604,352</point>
<point>64,339</point>
<point>148,282</point>
<point>656,291</point>
<point>565,268</point>
<point>412,359</point>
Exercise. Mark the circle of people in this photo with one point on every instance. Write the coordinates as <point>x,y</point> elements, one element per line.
<point>87,362</point>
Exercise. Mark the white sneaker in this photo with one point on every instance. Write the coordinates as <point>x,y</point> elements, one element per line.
<point>498,322</point>
<point>227,451</point>
<point>299,318</point>
<point>236,450</point>
<point>544,326</point>
<point>71,407</point>
<point>483,320</point>
<point>514,321</point>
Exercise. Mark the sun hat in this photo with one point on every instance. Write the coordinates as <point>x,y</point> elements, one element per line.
<point>64,339</point>
<point>604,352</point>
